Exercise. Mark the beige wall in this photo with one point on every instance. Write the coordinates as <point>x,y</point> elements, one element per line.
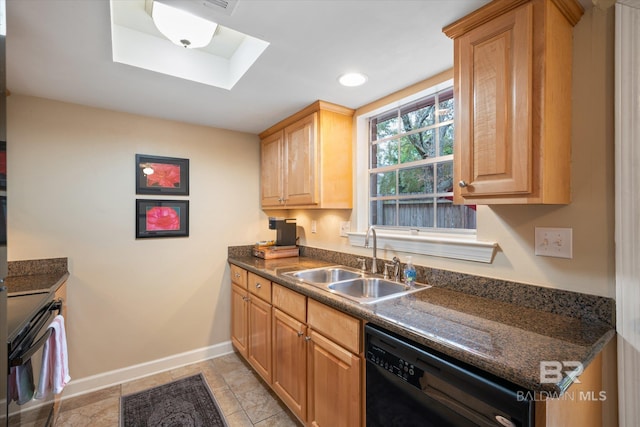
<point>590,214</point>
<point>72,194</point>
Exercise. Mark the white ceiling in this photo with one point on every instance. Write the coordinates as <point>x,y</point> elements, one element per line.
<point>61,49</point>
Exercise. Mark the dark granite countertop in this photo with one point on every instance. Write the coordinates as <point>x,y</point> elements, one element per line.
<point>503,339</point>
<point>35,283</point>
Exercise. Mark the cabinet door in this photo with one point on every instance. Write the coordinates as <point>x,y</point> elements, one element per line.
<point>239,314</point>
<point>259,350</point>
<point>300,178</point>
<point>494,113</point>
<point>271,171</point>
<point>334,384</point>
<point>290,362</point>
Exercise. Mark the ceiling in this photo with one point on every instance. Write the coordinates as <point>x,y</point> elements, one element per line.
<point>61,49</point>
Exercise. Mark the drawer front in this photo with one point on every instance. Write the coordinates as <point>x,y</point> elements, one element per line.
<point>239,276</point>
<point>290,302</point>
<point>260,287</point>
<point>335,325</point>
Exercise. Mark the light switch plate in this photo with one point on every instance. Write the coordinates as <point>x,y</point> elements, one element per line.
<point>554,242</point>
<point>345,227</point>
<point>314,226</point>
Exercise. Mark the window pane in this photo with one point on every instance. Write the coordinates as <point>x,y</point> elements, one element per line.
<point>383,184</point>
<point>383,212</point>
<point>445,177</point>
<point>418,115</point>
<point>418,146</point>
<point>416,180</point>
<point>416,213</point>
<point>384,126</point>
<point>414,164</point>
<point>384,154</point>
<point>446,140</point>
<point>445,106</point>
<point>455,216</point>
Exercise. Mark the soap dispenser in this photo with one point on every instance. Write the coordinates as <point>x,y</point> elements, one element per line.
<point>409,272</point>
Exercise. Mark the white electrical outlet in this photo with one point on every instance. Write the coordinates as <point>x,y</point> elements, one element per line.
<point>345,227</point>
<point>314,226</point>
<point>554,242</point>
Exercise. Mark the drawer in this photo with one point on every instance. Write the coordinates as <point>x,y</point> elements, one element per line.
<point>260,287</point>
<point>335,325</point>
<point>291,302</point>
<point>239,276</point>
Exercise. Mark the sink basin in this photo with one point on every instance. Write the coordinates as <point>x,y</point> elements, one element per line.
<point>326,275</point>
<point>354,284</point>
<point>372,289</point>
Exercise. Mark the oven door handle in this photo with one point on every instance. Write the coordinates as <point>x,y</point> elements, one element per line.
<point>16,357</point>
<point>19,360</point>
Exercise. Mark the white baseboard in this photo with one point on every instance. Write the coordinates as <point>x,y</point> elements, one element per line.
<point>90,384</point>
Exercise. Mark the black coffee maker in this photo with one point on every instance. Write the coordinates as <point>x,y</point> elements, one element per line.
<point>285,230</point>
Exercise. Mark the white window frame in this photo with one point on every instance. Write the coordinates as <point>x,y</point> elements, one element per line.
<point>457,244</point>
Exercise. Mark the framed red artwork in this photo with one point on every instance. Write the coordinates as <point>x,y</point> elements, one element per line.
<point>162,175</point>
<point>162,218</point>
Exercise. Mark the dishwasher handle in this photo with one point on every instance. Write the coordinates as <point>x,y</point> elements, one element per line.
<point>458,407</point>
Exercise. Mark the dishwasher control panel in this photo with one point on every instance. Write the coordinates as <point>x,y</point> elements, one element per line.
<point>395,365</point>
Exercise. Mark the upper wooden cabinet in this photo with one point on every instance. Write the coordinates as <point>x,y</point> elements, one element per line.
<point>307,159</point>
<point>512,72</point>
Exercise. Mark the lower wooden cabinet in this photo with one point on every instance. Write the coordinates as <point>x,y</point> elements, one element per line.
<point>251,319</point>
<point>314,366</point>
<point>334,384</point>
<point>290,362</point>
<point>259,349</point>
<point>239,319</point>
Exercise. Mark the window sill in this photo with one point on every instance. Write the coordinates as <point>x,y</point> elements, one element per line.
<point>463,247</point>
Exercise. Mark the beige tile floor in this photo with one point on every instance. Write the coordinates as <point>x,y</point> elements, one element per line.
<point>243,397</point>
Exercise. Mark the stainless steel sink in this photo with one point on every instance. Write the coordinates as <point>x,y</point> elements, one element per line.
<point>324,275</point>
<point>354,284</point>
<point>373,289</point>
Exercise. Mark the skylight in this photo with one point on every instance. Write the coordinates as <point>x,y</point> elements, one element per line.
<point>137,42</point>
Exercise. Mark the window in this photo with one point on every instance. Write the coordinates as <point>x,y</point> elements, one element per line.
<point>411,167</point>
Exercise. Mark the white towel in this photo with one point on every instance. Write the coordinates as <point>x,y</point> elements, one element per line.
<point>54,373</point>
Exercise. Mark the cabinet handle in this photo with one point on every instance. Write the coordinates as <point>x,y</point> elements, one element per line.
<point>307,338</point>
<point>245,298</point>
<point>300,333</point>
<point>237,275</point>
<point>258,285</point>
<point>462,184</point>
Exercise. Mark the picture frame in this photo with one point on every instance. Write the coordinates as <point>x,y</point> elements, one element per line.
<point>162,218</point>
<point>162,175</point>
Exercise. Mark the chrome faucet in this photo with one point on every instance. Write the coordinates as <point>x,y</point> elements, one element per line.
<point>396,269</point>
<point>374,266</point>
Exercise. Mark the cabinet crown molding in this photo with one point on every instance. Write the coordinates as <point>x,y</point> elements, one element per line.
<point>316,106</point>
<point>571,10</point>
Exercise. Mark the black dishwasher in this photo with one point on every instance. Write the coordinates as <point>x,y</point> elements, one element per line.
<point>410,385</point>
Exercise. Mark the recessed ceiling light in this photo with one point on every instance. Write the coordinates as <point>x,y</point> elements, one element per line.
<point>352,79</point>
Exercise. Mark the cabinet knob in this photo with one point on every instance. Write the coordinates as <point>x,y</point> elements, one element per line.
<point>307,338</point>
<point>462,184</point>
<point>300,333</point>
<point>258,285</point>
<point>245,298</point>
<point>237,275</point>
